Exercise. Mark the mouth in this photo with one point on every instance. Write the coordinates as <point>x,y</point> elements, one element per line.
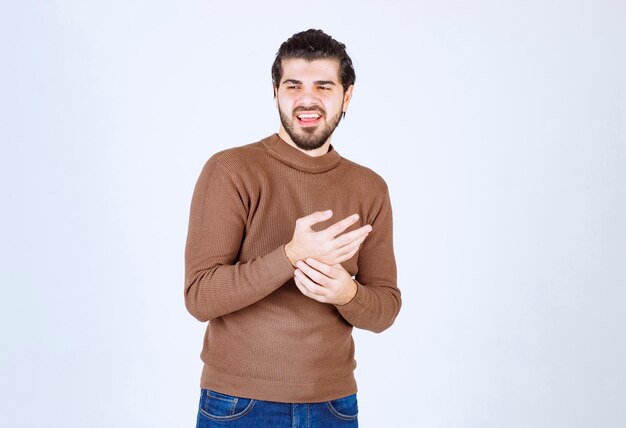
<point>308,118</point>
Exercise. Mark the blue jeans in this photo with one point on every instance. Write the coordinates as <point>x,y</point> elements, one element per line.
<point>221,410</point>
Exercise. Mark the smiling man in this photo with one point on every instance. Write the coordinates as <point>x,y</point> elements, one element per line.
<point>289,247</point>
<point>310,101</point>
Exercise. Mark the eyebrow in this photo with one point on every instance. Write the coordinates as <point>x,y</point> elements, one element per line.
<point>317,82</point>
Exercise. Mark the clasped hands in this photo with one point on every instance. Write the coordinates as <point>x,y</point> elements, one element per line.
<point>317,257</point>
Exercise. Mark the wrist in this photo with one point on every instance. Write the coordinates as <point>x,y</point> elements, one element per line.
<point>354,290</point>
<point>289,253</point>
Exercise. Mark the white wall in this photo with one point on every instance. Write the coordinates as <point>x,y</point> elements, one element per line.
<point>500,128</point>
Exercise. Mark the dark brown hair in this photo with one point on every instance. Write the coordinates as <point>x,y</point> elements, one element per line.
<point>311,45</point>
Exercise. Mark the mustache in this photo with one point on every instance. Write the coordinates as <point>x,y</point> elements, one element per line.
<point>317,109</point>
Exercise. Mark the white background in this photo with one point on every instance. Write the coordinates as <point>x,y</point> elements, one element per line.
<point>499,126</point>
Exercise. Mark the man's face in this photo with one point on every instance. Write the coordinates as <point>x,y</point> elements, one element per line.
<point>311,100</point>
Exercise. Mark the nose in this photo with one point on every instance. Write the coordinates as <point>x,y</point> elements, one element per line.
<point>307,97</point>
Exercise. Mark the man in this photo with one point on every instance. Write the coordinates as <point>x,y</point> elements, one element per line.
<point>280,280</point>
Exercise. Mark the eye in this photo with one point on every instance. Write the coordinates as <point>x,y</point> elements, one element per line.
<point>292,87</point>
<point>324,88</point>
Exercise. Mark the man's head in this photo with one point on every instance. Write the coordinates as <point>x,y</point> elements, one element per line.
<point>311,45</point>
<point>313,80</point>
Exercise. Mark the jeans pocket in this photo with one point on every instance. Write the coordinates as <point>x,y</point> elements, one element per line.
<point>345,408</point>
<point>223,407</point>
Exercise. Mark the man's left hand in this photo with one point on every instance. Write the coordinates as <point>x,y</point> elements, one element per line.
<point>324,283</point>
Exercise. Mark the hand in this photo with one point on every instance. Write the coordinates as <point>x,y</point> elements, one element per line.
<point>325,245</point>
<point>325,283</point>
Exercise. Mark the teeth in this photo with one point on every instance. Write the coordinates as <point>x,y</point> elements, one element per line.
<point>308,116</point>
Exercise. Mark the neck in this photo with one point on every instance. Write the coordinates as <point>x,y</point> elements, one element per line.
<point>313,153</point>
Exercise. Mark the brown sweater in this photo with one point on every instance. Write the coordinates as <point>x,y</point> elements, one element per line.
<point>265,339</point>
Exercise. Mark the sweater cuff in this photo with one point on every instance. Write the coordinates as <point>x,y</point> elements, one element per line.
<point>279,264</point>
<point>357,305</point>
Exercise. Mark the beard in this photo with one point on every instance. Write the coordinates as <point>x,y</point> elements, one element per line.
<point>312,137</point>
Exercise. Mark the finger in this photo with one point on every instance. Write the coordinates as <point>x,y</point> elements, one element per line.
<point>308,287</point>
<point>316,217</point>
<point>340,226</point>
<point>354,245</point>
<point>346,252</point>
<point>345,257</point>
<point>302,288</point>
<point>313,274</point>
<point>307,293</point>
<point>321,267</point>
<point>349,237</point>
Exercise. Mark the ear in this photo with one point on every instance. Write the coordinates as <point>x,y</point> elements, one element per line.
<point>275,90</point>
<point>347,96</point>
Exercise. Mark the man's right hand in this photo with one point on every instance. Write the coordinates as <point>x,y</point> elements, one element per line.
<point>327,245</point>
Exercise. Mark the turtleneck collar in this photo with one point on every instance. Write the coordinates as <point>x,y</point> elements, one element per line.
<point>295,158</point>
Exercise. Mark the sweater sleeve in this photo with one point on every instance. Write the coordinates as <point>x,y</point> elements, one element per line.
<point>216,283</point>
<point>377,301</point>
